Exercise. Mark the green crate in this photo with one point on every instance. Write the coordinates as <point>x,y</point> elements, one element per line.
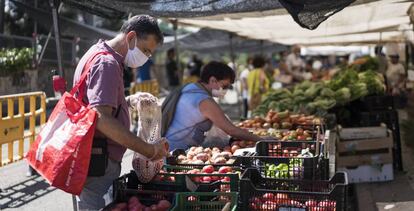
<point>205,201</point>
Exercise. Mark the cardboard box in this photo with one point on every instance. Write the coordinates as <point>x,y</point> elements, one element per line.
<point>369,173</point>
<point>362,132</point>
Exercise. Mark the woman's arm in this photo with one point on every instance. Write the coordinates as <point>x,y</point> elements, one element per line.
<point>212,111</point>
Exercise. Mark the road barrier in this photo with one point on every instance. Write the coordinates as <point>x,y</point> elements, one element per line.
<point>19,125</point>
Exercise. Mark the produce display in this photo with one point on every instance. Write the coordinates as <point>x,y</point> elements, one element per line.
<point>286,149</point>
<point>270,202</point>
<point>200,155</point>
<point>290,135</point>
<point>279,120</point>
<point>293,169</point>
<point>134,204</point>
<point>319,97</point>
<point>206,174</point>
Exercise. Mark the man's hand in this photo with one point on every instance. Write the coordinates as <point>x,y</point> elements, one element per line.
<point>160,149</point>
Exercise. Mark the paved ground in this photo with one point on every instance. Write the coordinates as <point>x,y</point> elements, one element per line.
<point>33,193</point>
<point>397,195</point>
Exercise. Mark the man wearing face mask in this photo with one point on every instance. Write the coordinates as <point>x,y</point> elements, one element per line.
<point>136,42</point>
<point>196,110</point>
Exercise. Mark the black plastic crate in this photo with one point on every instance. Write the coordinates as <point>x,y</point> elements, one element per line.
<point>173,160</point>
<point>303,168</point>
<point>205,201</point>
<point>146,197</point>
<point>375,103</point>
<point>258,193</point>
<point>375,118</point>
<point>274,148</point>
<point>179,181</point>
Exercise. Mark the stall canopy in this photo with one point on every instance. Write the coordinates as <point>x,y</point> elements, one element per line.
<point>307,13</point>
<point>386,20</point>
<point>214,41</point>
<point>68,27</point>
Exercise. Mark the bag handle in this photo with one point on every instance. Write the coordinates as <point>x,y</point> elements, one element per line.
<point>82,79</point>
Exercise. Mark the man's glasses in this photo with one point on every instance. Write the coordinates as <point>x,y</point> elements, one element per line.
<point>228,86</point>
<point>146,51</point>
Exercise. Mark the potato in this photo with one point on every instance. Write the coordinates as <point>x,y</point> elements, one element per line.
<point>216,155</point>
<point>220,160</point>
<point>164,205</point>
<point>207,150</point>
<point>226,155</point>
<point>202,156</point>
<point>234,148</point>
<point>198,150</point>
<point>180,158</point>
<point>190,156</point>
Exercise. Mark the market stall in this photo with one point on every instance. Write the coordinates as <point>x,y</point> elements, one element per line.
<point>317,136</point>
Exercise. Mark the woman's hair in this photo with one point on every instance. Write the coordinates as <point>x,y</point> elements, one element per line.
<point>219,70</point>
<point>258,62</point>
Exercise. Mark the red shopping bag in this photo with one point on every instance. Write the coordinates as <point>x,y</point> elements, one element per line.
<point>62,150</point>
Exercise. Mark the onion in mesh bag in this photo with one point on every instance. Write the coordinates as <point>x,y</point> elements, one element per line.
<point>149,130</point>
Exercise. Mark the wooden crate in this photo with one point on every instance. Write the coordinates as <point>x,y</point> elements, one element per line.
<point>364,151</point>
<point>362,132</point>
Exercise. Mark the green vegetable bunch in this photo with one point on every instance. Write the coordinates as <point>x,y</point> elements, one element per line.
<point>14,59</point>
<point>354,82</point>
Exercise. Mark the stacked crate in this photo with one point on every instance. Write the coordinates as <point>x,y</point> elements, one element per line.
<point>365,153</point>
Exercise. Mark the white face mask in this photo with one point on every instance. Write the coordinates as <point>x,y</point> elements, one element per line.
<point>135,57</point>
<point>220,93</point>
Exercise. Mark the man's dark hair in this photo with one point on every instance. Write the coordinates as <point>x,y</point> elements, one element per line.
<point>258,62</point>
<point>219,70</point>
<point>170,51</point>
<point>143,25</point>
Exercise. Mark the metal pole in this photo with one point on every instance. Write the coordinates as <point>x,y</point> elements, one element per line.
<point>2,6</point>
<point>232,51</point>
<point>47,39</point>
<point>57,35</point>
<point>175,27</point>
<point>35,21</point>
<point>261,48</point>
<point>35,38</point>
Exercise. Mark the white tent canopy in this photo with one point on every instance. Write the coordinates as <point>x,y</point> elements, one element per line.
<point>373,22</point>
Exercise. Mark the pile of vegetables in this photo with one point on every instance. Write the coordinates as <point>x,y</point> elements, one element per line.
<point>281,201</point>
<point>318,97</point>
<point>287,135</point>
<point>280,120</point>
<point>134,204</point>
<point>293,169</point>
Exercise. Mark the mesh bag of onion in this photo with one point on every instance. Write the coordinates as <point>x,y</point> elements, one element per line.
<point>149,130</point>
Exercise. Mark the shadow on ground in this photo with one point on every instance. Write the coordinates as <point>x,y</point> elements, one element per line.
<point>22,193</point>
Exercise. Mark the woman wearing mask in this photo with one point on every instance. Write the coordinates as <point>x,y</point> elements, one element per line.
<point>196,111</point>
